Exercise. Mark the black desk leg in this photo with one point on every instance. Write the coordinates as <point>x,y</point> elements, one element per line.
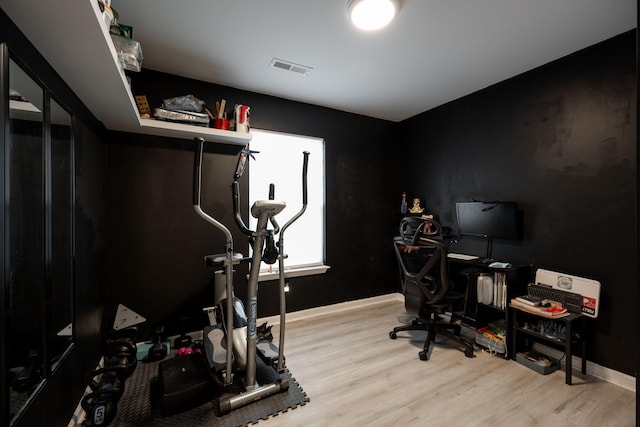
<point>567,353</point>
<point>511,340</point>
<point>584,347</point>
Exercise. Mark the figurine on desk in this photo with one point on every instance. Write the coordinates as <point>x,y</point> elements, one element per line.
<point>416,208</point>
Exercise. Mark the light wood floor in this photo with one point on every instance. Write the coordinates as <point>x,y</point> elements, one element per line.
<point>356,376</point>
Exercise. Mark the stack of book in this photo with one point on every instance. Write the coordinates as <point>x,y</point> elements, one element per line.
<point>536,305</point>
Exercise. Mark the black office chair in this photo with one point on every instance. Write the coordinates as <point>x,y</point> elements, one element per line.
<point>428,292</point>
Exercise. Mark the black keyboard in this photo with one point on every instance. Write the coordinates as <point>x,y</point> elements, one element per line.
<point>570,300</point>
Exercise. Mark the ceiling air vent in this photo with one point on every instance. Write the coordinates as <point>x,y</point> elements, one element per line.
<point>290,66</point>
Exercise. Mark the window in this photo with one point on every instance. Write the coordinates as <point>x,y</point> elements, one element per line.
<point>279,161</point>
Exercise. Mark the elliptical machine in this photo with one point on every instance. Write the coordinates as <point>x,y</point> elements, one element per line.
<point>234,327</point>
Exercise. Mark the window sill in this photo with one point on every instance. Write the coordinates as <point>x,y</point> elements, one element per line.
<point>293,272</point>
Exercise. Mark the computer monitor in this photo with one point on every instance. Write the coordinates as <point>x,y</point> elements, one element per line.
<point>487,219</point>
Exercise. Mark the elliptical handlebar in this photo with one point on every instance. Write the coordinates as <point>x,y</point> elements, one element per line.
<point>197,168</point>
<point>197,184</point>
<point>228,265</point>
<point>243,158</point>
<point>305,165</point>
<point>282,256</point>
<point>236,208</point>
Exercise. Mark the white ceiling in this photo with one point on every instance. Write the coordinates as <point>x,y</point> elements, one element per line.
<point>434,52</point>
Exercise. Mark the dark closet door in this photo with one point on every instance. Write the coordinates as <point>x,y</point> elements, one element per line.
<point>38,235</point>
<point>25,255</point>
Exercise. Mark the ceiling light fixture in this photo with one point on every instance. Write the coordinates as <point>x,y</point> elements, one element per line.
<point>370,15</point>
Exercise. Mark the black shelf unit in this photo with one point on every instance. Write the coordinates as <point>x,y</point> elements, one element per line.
<point>573,324</point>
<point>478,315</point>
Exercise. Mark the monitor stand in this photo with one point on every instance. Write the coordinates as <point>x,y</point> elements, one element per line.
<point>487,259</point>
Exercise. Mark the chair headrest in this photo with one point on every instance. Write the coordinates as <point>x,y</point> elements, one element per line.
<point>414,229</point>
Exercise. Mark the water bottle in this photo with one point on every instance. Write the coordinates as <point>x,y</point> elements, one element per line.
<point>403,205</point>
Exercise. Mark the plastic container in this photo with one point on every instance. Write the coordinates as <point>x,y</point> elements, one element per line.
<point>129,53</point>
<point>485,288</point>
<point>532,360</point>
<point>492,344</point>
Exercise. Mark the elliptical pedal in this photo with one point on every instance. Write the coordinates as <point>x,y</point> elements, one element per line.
<point>268,352</point>
<point>215,347</point>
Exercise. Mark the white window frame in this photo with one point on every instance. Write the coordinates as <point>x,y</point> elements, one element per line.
<point>279,161</point>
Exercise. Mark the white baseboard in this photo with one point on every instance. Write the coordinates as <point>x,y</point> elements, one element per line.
<point>593,369</point>
<point>618,378</point>
<point>606,374</point>
<point>328,310</point>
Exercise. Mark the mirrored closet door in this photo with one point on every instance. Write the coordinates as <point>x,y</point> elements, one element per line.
<point>38,280</point>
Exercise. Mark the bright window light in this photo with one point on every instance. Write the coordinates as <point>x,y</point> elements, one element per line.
<point>279,161</point>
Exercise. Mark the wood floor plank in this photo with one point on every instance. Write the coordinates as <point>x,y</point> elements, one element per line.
<point>355,375</point>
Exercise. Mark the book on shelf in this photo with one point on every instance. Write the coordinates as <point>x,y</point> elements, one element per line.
<point>531,300</point>
<point>546,309</point>
<point>554,309</point>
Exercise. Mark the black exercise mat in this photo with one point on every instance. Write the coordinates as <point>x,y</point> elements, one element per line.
<point>140,404</point>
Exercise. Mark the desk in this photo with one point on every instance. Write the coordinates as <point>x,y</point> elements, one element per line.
<point>510,281</point>
<point>573,324</point>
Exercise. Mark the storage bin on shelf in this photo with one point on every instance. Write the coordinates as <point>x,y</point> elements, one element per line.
<point>541,363</point>
<point>129,52</point>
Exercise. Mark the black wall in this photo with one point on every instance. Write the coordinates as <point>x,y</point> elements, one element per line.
<point>157,241</point>
<point>561,141</point>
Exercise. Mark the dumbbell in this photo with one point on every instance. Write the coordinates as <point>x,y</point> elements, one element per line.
<point>28,377</point>
<point>100,410</point>
<point>107,388</point>
<point>158,351</point>
<point>121,353</point>
<point>183,351</point>
<point>108,382</point>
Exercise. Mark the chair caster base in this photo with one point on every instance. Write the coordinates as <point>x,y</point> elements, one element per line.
<point>393,335</point>
<point>423,355</point>
<point>469,353</point>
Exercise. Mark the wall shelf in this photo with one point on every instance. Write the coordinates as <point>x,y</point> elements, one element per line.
<point>180,130</point>
<point>86,59</point>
